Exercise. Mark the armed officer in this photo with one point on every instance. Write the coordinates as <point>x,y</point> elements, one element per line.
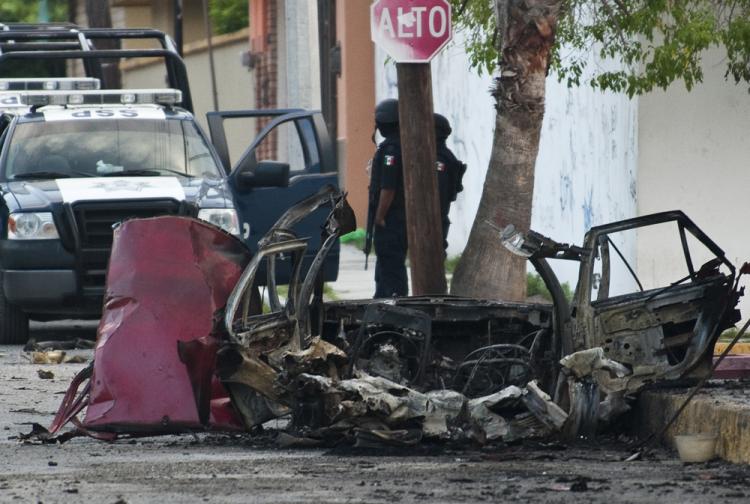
<point>386,220</point>
<point>450,173</point>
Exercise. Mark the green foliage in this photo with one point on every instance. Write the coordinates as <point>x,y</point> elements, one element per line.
<point>729,334</point>
<point>535,287</point>
<point>228,16</point>
<point>355,238</point>
<point>657,42</point>
<point>477,20</point>
<point>26,11</point>
<point>451,263</point>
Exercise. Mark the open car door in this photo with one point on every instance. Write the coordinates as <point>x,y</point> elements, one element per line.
<point>290,159</point>
<point>658,327</point>
<point>663,330</point>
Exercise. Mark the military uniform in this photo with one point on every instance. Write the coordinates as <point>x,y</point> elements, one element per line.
<point>390,240</point>
<point>450,172</point>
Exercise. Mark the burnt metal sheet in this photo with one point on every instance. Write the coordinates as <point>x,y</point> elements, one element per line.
<point>168,277</point>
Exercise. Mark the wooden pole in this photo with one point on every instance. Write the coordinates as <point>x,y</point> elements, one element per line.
<point>99,16</point>
<point>419,155</point>
<point>209,43</point>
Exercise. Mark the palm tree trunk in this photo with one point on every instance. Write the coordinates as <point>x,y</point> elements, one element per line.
<point>486,268</point>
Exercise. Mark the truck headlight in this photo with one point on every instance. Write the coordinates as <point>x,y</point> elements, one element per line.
<point>225,218</point>
<point>32,226</point>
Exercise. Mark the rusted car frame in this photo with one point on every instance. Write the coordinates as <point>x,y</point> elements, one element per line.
<point>281,244</point>
<point>664,333</point>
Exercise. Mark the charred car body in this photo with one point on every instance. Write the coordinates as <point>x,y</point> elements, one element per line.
<point>662,333</point>
<point>76,161</point>
<point>397,371</point>
<point>591,355</point>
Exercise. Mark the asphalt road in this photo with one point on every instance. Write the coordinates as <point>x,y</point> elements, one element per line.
<point>216,468</point>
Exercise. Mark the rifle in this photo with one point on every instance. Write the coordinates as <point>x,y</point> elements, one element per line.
<point>371,210</point>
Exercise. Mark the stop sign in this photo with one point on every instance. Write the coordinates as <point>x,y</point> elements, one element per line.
<point>411,31</point>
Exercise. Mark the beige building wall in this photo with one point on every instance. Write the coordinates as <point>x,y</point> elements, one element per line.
<point>159,14</point>
<point>235,83</point>
<point>356,101</point>
<point>132,15</point>
<point>694,151</point>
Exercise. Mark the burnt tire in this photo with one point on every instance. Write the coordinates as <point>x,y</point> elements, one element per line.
<point>14,324</point>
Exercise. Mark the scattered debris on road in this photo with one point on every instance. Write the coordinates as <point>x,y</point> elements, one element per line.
<point>54,357</point>
<point>44,374</point>
<point>51,357</point>
<point>42,346</point>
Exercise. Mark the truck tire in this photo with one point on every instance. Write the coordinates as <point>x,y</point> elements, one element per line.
<point>14,324</point>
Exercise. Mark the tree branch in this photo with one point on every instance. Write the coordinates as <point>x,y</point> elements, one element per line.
<point>462,8</point>
<point>615,20</point>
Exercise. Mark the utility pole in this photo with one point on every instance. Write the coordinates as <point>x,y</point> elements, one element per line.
<point>177,7</point>
<point>211,66</point>
<point>330,63</point>
<point>419,157</point>
<point>99,16</point>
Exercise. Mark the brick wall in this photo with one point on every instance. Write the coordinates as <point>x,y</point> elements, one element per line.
<point>266,75</point>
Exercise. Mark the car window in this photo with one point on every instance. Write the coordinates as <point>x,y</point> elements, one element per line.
<point>645,258</point>
<point>284,144</point>
<point>200,160</point>
<point>109,147</point>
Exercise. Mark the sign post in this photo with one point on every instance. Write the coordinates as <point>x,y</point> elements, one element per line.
<point>412,32</point>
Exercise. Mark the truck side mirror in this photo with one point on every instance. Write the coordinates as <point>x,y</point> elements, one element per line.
<point>266,174</point>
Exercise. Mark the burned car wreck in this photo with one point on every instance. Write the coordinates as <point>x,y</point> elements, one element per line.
<point>617,339</point>
<point>392,371</point>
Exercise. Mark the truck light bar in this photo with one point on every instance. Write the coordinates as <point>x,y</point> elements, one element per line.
<point>102,97</point>
<point>50,84</point>
<point>10,101</point>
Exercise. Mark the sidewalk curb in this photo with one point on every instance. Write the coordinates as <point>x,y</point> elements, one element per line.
<point>709,412</point>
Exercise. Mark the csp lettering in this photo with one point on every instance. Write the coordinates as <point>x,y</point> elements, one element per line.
<point>104,113</point>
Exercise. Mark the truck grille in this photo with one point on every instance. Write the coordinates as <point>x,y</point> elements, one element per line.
<point>94,226</point>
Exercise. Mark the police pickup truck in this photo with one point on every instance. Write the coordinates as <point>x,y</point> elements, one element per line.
<point>76,160</point>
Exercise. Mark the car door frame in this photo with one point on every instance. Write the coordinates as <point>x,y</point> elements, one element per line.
<point>279,116</point>
<point>318,133</point>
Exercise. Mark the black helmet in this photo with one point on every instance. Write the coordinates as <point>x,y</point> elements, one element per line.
<point>387,112</point>
<point>442,126</point>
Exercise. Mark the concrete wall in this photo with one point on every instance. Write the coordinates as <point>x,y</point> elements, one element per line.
<point>299,55</point>
<point>298,68</point>
<point>159,14</point>
<point>587,165</point>
<point>235,83</point>
<point>693,156</point>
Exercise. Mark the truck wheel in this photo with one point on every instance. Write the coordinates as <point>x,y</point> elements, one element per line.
<point>14,324</point>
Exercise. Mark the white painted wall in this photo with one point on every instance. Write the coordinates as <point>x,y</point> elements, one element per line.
<point>694,149</point>
<point>299,55</point>
<point>587,165</point>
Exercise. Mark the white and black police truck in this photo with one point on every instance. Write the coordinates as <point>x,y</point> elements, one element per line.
<point>76,160</point>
